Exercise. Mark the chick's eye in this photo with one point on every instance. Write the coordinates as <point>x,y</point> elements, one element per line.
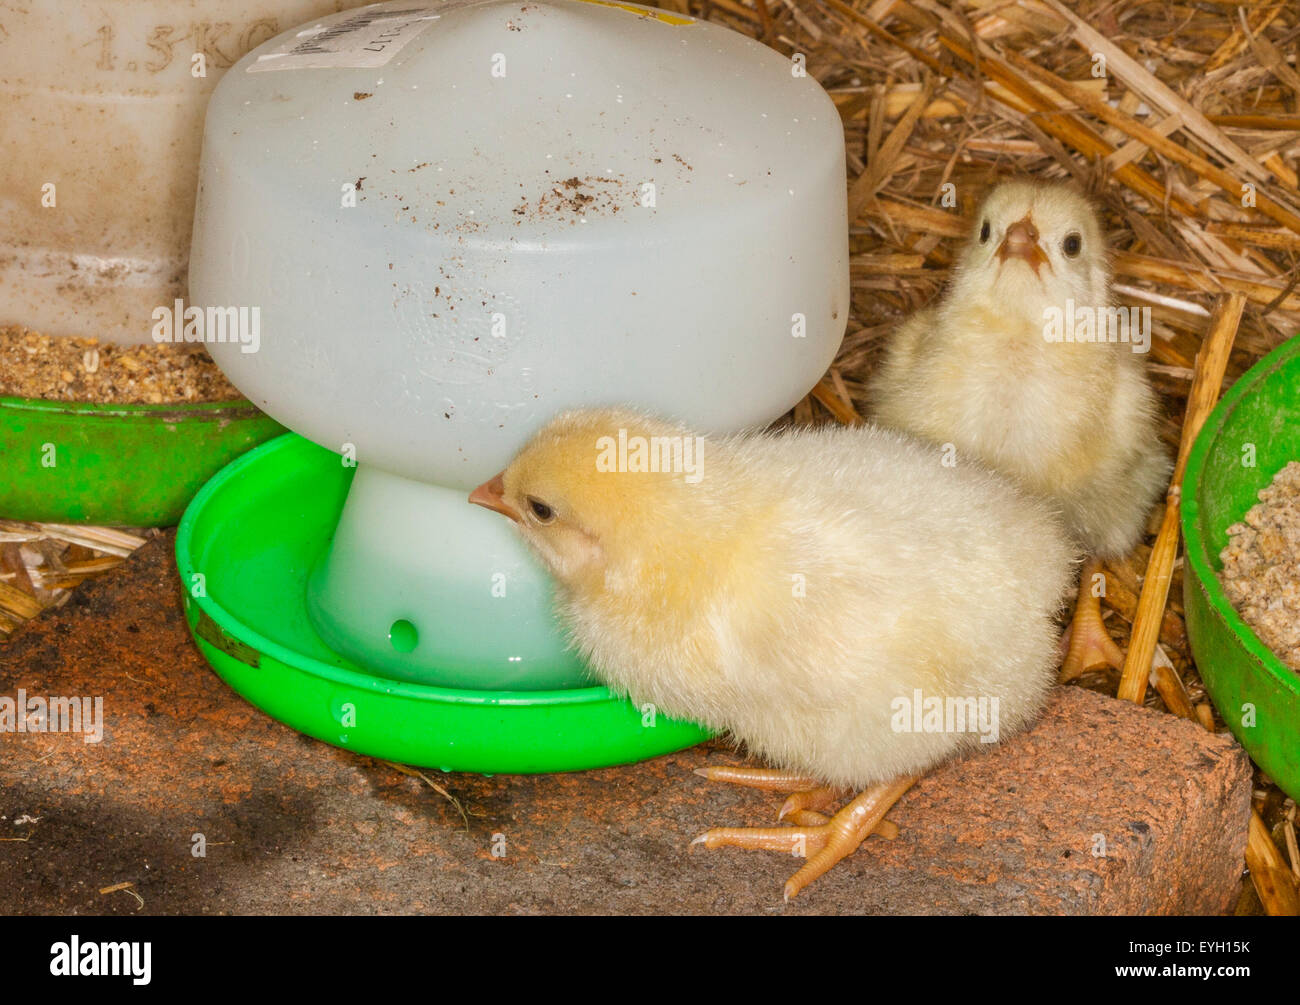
<point>540,510</point>
<point>984,233</point>
<point>1072,244</point>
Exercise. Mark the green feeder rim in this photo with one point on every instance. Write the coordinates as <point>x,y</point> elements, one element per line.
<point>255,531</point>
<point>1235,664</point>
<point>122,464</point>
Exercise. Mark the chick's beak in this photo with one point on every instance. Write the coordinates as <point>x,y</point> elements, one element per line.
<point>491,495</point>
<point>1021,241</point>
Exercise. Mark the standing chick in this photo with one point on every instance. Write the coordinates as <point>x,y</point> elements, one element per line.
<point>1073,421</point>
<point>802,591</point>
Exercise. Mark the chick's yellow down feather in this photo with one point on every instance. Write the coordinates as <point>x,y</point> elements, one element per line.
<point>795,587</point>
<point>1073,421</point>
<point>994,369</point>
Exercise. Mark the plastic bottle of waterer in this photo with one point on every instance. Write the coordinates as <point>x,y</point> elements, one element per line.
<point>489,210</point>
<point>458,219</point>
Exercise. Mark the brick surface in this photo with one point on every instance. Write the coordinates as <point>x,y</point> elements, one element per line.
<point>294,825</point>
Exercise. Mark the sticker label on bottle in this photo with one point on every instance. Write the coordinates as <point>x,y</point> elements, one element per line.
<point>371,36</point>
<point>646,12</point>
<point>367,37</point>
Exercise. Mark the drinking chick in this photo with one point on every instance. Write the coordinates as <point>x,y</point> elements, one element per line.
<point>1074,421</point>
<point>803,591</point>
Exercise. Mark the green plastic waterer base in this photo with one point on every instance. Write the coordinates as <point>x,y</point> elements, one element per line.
<point>1252,434</point>
<point>245,549</point>
<point>126,465</point>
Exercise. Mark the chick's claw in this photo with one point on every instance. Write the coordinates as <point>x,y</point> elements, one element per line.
<point>811,818</point>
<point>1088,644</point>
<point>807,799</point>
<point>823,844</point>
<point>801,841</point>
<point>886,829</point>
<point>771,779</point>
<point>824,798</point>
<point>846,830</point>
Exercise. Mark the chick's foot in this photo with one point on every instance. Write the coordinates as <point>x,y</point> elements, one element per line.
<point>771,779</point>
<point>807,799</point>
<point>886,829</point>
<point>827,797</point>
<point>822,844</point>
<point>1088,646</point>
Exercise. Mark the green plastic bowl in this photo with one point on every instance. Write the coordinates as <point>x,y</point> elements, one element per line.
<point>245,548</point>
<point>129,465</point>
<point>1260,414</point>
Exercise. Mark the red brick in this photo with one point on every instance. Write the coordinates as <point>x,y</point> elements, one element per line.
<point>294,825</point>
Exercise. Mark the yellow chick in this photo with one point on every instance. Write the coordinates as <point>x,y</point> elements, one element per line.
<point>1001,370</point>
<point>813,592</point>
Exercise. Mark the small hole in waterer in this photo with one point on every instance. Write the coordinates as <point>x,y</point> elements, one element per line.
<point>403,635</point>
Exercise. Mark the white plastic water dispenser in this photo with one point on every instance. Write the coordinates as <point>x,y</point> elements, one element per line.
<point>458,219</point>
